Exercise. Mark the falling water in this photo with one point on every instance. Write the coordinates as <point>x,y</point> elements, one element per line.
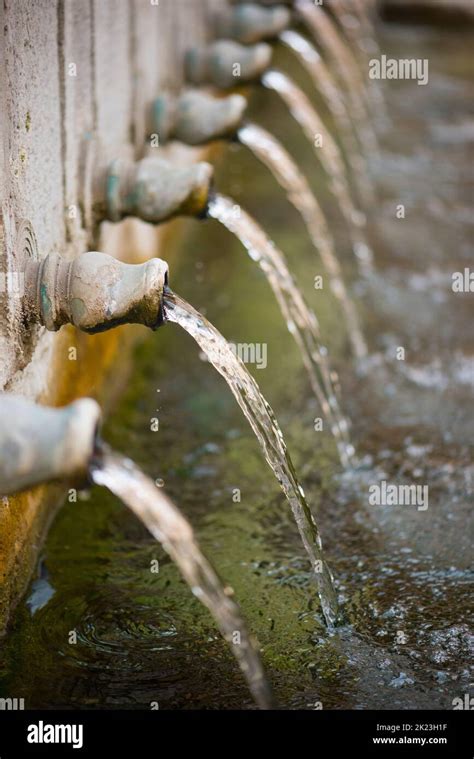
<point>278,160</point>
<point>356,21</point>
<point>328,153</point>
<point>365,14</point>
<point>324,83</point>
<point>354,18</point>
<point>327,37</point>
<point>262,420</point>
<point>326,33</point>
<point>300,319</point>
<point>167,524</point>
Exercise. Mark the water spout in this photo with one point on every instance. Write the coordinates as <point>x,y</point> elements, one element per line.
<point>226,63</point>
<point>152,189</point>
<point>94,292</point>
<point>249,22</point>
<point>196,117</point>
<point>39,444</point>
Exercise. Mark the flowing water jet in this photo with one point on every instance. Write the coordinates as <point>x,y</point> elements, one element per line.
<point>326,35</point>
<point>273,155</point>
<point>327,153</point>
<point>355,22</point>
<point>262,421</point>
<point>40,445</point>
<point>97,293</point>
<point>358,26</point>
<point>301,321</point>
<point>166,523</point>
<point>325,84</point>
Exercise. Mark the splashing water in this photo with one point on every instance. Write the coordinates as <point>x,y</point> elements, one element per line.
<point>301,321</point>
<point>327,152</point>
<point>173,531</point>
<point>262,420</point>
<point>324,83</point>
<point>326,35</point>
<point>278,160</point>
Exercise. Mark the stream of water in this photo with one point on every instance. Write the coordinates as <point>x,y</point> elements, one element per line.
<point>272,153</point>
<point>327,152</point>
<point>262,420</point>
<point>357,25</point>
<point>302,323</point>
<point>326,85</point>
<point>166,523</point>
<point>326,35</point>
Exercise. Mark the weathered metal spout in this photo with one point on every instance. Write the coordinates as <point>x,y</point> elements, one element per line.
<point>94,292</point>
<point>39,444</point>
<point>226,63</point>
<point>249,22</point>
<point>196,117</point>
<point>152,189</point>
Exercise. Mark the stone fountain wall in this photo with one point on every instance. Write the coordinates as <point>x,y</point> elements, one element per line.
<point>75,76</point>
